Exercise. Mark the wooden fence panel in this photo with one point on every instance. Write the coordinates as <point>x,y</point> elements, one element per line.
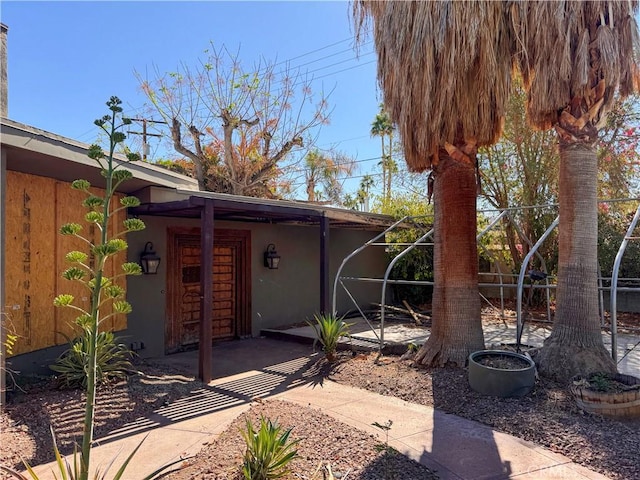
<point>36,208</point>
<point>30,269</point>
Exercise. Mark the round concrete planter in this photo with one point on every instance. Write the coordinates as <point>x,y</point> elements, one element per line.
<point>515,381</point>
<point>625,404</point>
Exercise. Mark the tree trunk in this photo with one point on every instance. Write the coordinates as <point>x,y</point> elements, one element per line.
<point>575,345</point>
<point>384,168</point>
<point>456,326</point>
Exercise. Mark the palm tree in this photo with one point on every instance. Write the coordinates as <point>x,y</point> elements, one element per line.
<point>363,191</point>
<point>571,69</point>
<point>445,72</point>
<point>383,127</point>
<point>325,170</point>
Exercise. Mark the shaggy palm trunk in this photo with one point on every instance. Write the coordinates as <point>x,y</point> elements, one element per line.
<point>575,344</point>
<point>456,326</point>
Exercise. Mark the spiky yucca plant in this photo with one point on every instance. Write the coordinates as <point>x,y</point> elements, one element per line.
<point>269,450</point>
<point>329,329</point>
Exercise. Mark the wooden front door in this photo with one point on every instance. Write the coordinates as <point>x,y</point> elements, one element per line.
<point>230,288</point>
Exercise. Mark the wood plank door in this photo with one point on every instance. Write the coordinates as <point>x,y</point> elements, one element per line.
<point>230,289</point>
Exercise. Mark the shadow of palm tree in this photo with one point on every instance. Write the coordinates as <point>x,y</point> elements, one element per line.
<point>471,445</point>
<point>392,465</point>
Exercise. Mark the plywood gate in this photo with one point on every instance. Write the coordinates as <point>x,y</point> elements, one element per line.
<point>36,208</point>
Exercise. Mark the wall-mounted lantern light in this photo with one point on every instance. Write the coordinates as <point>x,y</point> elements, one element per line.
<point>271,257</point>
<point>149,260</point>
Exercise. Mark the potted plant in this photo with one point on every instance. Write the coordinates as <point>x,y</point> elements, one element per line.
<point>501,373</point>
<point>608,394</point>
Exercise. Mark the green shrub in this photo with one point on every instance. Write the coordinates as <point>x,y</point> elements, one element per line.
<point>328,329</point>
<point>612,228</point>
<point>269,451</point>
<point>112,360</point>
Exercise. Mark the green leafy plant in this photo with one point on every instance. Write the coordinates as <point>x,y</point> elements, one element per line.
<point>89,270</point>
<point>6,348</point>
<point>269,450</point>
<point>385,447</point>
<point>91,274</point>
<point>10,338</point>
<point>328,330</point>
<point>385,427</point>
<point>112,361</point>
<point>600,382</point>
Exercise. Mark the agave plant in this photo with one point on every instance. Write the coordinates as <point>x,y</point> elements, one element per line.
<point>269,451</point>
<point>89,355</point>
<point>112,360</point>
<point>328,329</point>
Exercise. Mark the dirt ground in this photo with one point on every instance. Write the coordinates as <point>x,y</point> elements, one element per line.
<point>548,417</point>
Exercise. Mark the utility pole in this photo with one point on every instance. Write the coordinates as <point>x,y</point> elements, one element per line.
<point>144,133</point>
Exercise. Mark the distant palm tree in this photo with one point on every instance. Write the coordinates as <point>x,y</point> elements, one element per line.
<point>383,127</point>
<point>572,68</point>
<point>445,71</point>
<point>363,193</point>
<point>322,170</point>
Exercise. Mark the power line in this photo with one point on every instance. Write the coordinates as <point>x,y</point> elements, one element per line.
<point>314,51</point>
<point>356,57</point>
<point>338,71</point>
<point>329,56</point>
<point>346,140</point>
<point>337,63</point>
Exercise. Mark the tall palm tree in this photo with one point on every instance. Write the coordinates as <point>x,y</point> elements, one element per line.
<point>444,68</point>
<point>383,127</point>
<point>363,194</point>
<point>572,68</point>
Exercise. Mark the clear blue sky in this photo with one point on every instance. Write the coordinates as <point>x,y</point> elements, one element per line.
<point>65,59</point>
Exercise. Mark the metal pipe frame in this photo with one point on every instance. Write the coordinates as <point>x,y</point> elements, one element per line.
<point>504,213</point>
<point>614,285</point>
<point>523,269</point>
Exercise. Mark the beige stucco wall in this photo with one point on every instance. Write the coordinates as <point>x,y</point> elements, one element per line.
<point>288,295</point>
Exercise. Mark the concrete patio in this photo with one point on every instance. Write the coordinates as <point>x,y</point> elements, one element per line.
<point>398,335</point>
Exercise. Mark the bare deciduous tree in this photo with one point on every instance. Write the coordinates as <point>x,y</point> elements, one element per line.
<point>237,126</point>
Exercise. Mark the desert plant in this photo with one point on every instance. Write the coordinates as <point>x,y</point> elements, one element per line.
<point>269,450</point>
<point>328,329</point>
<point>103,289</point>
<point>385,448</point>
<point>112,361</point>
<point>8,340</point>
<point>385,427</point>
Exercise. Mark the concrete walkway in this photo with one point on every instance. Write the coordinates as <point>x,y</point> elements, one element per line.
<point>457,448</point>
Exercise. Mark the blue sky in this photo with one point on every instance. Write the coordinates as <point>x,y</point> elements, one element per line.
<point>65,59</point>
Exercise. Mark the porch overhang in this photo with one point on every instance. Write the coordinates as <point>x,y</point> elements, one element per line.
<point>245,209</point>
<point>209,207</point>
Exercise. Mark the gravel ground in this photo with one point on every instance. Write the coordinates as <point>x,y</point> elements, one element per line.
<point>326,445</point>
<point>547,416</point>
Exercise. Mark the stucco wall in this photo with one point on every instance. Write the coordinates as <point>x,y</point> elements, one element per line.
<point>279,297</point>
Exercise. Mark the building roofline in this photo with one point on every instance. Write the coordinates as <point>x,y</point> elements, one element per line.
<point>27,137</point>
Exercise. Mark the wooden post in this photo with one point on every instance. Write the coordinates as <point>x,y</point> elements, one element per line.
<point>206,291</point>
<point>324,265</point>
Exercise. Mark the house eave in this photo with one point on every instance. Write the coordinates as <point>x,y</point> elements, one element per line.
<point>38,152</point>
<point>237,208</point>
